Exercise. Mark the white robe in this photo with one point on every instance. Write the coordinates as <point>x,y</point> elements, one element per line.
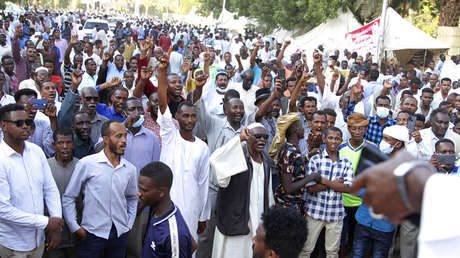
<point>239,246</point>
<point>189,162</point>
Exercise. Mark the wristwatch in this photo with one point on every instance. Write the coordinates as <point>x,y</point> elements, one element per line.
<point>400,174</point>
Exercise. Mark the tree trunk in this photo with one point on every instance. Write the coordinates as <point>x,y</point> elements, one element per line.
<point>449,12</point>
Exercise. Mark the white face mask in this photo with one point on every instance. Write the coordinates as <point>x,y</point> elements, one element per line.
<point>382,112</point>
<point>329,62</point>
<point>385,147</point>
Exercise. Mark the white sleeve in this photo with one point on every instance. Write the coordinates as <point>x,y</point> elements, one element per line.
<point>203,185</point>
<point>439,235</point>
<point>167,127</point>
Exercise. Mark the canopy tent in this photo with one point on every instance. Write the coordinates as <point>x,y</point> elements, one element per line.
<point>404,39</point>
<point>226,20</point>
<point>331,34</point>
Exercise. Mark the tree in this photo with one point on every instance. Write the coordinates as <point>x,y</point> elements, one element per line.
<point>449,12</point>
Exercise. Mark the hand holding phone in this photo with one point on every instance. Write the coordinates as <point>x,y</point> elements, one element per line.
<point>39,104</point>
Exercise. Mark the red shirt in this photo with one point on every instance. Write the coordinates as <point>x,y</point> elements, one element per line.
<point>165,43</point>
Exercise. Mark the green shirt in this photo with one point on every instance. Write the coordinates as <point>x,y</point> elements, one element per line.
<point>352,154</point>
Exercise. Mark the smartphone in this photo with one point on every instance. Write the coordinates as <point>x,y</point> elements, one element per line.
<point>39,104</point>
<point>411,124</point>
<point>282,74</point>
<point>443,159</point>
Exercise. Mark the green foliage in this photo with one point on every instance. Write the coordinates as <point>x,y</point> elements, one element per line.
<point>2,4</point>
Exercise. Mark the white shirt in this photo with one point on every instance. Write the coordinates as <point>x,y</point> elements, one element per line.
<point>189,162</point>
<point>7,99</point>
<point>5,50</point>
<point>437,99</point>
<point>87,81</point>
<point>25,183</point>
<point>439,235</point>
<point>175,61</point>
<point>96,59</point>
<point>426,146</point>
<point>247,96</point>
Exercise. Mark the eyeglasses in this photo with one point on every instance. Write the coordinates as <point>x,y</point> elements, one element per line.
<point>19,123</point>
<point>258,136</point>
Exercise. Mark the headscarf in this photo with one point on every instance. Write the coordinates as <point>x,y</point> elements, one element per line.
<point>357,119</point>
<point>282,125</point>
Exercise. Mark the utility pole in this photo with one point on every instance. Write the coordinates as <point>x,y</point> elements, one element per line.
<point>383,19</point>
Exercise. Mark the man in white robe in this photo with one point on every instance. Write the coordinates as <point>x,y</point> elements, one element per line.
<point>247,173</point>
<point>186,155</point>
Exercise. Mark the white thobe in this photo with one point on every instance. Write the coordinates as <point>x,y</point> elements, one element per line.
<point>239,246</point>
<point>189,162</point>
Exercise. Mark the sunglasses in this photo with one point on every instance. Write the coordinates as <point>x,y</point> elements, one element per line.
<point>258,136</point>
<point>20,123</point>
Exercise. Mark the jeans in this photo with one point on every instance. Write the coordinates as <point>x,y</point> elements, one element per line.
<point>366,239</point>
<point>408,244</point>
<point>114,247</point>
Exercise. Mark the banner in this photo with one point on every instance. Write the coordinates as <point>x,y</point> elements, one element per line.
<point>364,39</point>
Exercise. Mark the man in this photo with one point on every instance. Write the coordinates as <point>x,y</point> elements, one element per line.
<point>167,234</point>
<point>88,53</point>
<point>26,183</point>
<point>175,60</point>
<point>281,234</point>
<point>352,149</point>
<point>244,191</point>
<point>380,121</point>
<point>142,145</point>
<point>81,125</point>
<point>60,43</point>
<point>23,64</point>
<point>89,100</point>
<point>90,76</point>
<point>312,143</point>
<point>62,166</point>
<point>325,207</point>
<point>247,90</point>
<point>441,95</point>
<point>425,102</point>
<point>187,155</point>
<point>41,134</point>
<point>69,66</point>
<point>439,120</point>
<point>109,210</point>
<point>5,98</point>
<point>8,69</point>
<point>129,48</point>
<point>118,97</point>
<point>444,157</point>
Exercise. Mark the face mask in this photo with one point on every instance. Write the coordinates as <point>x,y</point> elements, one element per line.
<point>382,112</point>
<point>329,62</point>
<point>222,91</point>
<point>139,122</point>
<point>385,147</point>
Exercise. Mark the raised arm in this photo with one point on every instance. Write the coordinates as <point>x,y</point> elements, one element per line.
<point>15,47</point>
<point>240,65</point>
<point>206,57</point>
<point>318,59</point>
<point>281,54</point>
<point>199,82</point>
<point>163,83</point>
<point>146,73</point>
<point>254,54</point>
<point>72,43</point>
<point>293,100</point>
<point>277,92</point>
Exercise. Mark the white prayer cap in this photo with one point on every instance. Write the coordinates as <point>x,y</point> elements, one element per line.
<point>255,125</point>
<point>399,132</point>
<point>41,68</point>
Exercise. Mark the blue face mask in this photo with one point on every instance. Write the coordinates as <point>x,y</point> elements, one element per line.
<point>139,122</point>
<point>222,91</point>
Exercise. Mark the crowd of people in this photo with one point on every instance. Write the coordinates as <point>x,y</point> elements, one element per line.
<point>173,140</point>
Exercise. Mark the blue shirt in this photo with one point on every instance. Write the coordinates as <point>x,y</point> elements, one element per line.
<point>375,130</point>
<point>364,218</point>
<point>109,112</point>
<point>164,230</point>
<point>257,74</point>
<point>112,71</point>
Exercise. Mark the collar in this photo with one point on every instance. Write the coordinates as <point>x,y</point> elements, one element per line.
<point>102,158</point>
<point>227,125</point>
<point>113,112</point>
<point>325,154</point>
<point>80,142</point>
<point>167,216</point>
<point>358,148</point>
<point>9,151</point>
<point>142,131</point>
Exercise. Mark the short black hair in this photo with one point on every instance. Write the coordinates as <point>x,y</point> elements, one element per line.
<point>407,92</point>
<point>308,98</point>
<point>89,60</point>
<point>291,79</point>
<point>446,79</point>
<point>374,74</point>
<point>285,231</point>
<point>24,92</point>
<point>333,129</point>
<point>436,145</point>
<point>427,90</point>
<point>384,97</point>
<point>105,129</point>
<point>40,84</point>
<point>184,103</point>
<point>437,111</point>
<point>319,112</point>
<point>404,112</point>
<point>159,173</point>
<point>6,57</point>
<point>230,94</point>
<point>64,131</point>
<point>445,103</point>
<point>330,112</point>
<point>420,117</point>
<point>7,109</point>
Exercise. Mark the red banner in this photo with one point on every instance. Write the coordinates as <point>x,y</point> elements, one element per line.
<point>364,39</point>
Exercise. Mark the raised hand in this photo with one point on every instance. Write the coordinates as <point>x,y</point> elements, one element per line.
<point>106,57</point>
<point>201,80</point>
<point>146,73</point>
<point>164,63</point>
<point>245,134</point>
<point>317,58</point>
<point>287,43</point>
<point>50,110</point>
<point>115,81</point>
<point>77,76</point>
<point>74,40</point>
<point>206,57</point>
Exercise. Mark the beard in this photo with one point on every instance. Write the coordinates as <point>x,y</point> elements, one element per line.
<point>113,148</point>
